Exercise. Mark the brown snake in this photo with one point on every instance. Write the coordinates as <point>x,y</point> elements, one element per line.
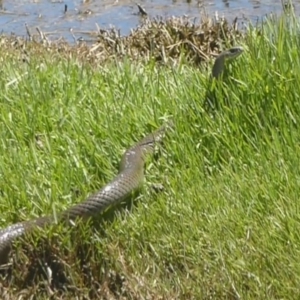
<point>128,180</point>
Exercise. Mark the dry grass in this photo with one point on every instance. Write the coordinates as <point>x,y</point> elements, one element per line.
<point>164,41</point>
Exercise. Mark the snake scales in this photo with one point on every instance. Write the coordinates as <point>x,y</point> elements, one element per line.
<point>128,180</point>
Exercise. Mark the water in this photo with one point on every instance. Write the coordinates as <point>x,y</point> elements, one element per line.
<point>82,16</point>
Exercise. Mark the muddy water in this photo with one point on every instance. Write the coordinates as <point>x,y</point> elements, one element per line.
<point>57,17</point>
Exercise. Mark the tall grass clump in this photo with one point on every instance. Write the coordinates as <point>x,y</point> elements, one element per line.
<point>225,225</point>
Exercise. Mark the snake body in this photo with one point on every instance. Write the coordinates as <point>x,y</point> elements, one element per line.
<point>128,180</point>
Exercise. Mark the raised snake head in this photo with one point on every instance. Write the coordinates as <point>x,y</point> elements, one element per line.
<point>233,52</point>
<point>230,53</point>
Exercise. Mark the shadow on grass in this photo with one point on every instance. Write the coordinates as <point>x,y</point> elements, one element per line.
<point>66,263</point>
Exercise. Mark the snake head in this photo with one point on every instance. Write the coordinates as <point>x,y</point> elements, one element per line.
<point>230,53</point>
<point>233,52</point>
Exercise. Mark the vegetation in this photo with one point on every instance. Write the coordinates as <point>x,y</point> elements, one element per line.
<point>225,226</point>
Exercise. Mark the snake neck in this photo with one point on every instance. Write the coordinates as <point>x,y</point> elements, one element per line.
<point>211,101</point>
<point>218,66</point>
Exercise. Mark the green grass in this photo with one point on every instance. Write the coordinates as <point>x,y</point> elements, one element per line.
<point>226,225</point>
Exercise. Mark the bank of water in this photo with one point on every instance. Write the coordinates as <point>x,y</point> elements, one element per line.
<point>75,19</point>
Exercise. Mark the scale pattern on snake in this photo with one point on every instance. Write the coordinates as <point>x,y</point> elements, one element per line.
<point>128,180</point>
